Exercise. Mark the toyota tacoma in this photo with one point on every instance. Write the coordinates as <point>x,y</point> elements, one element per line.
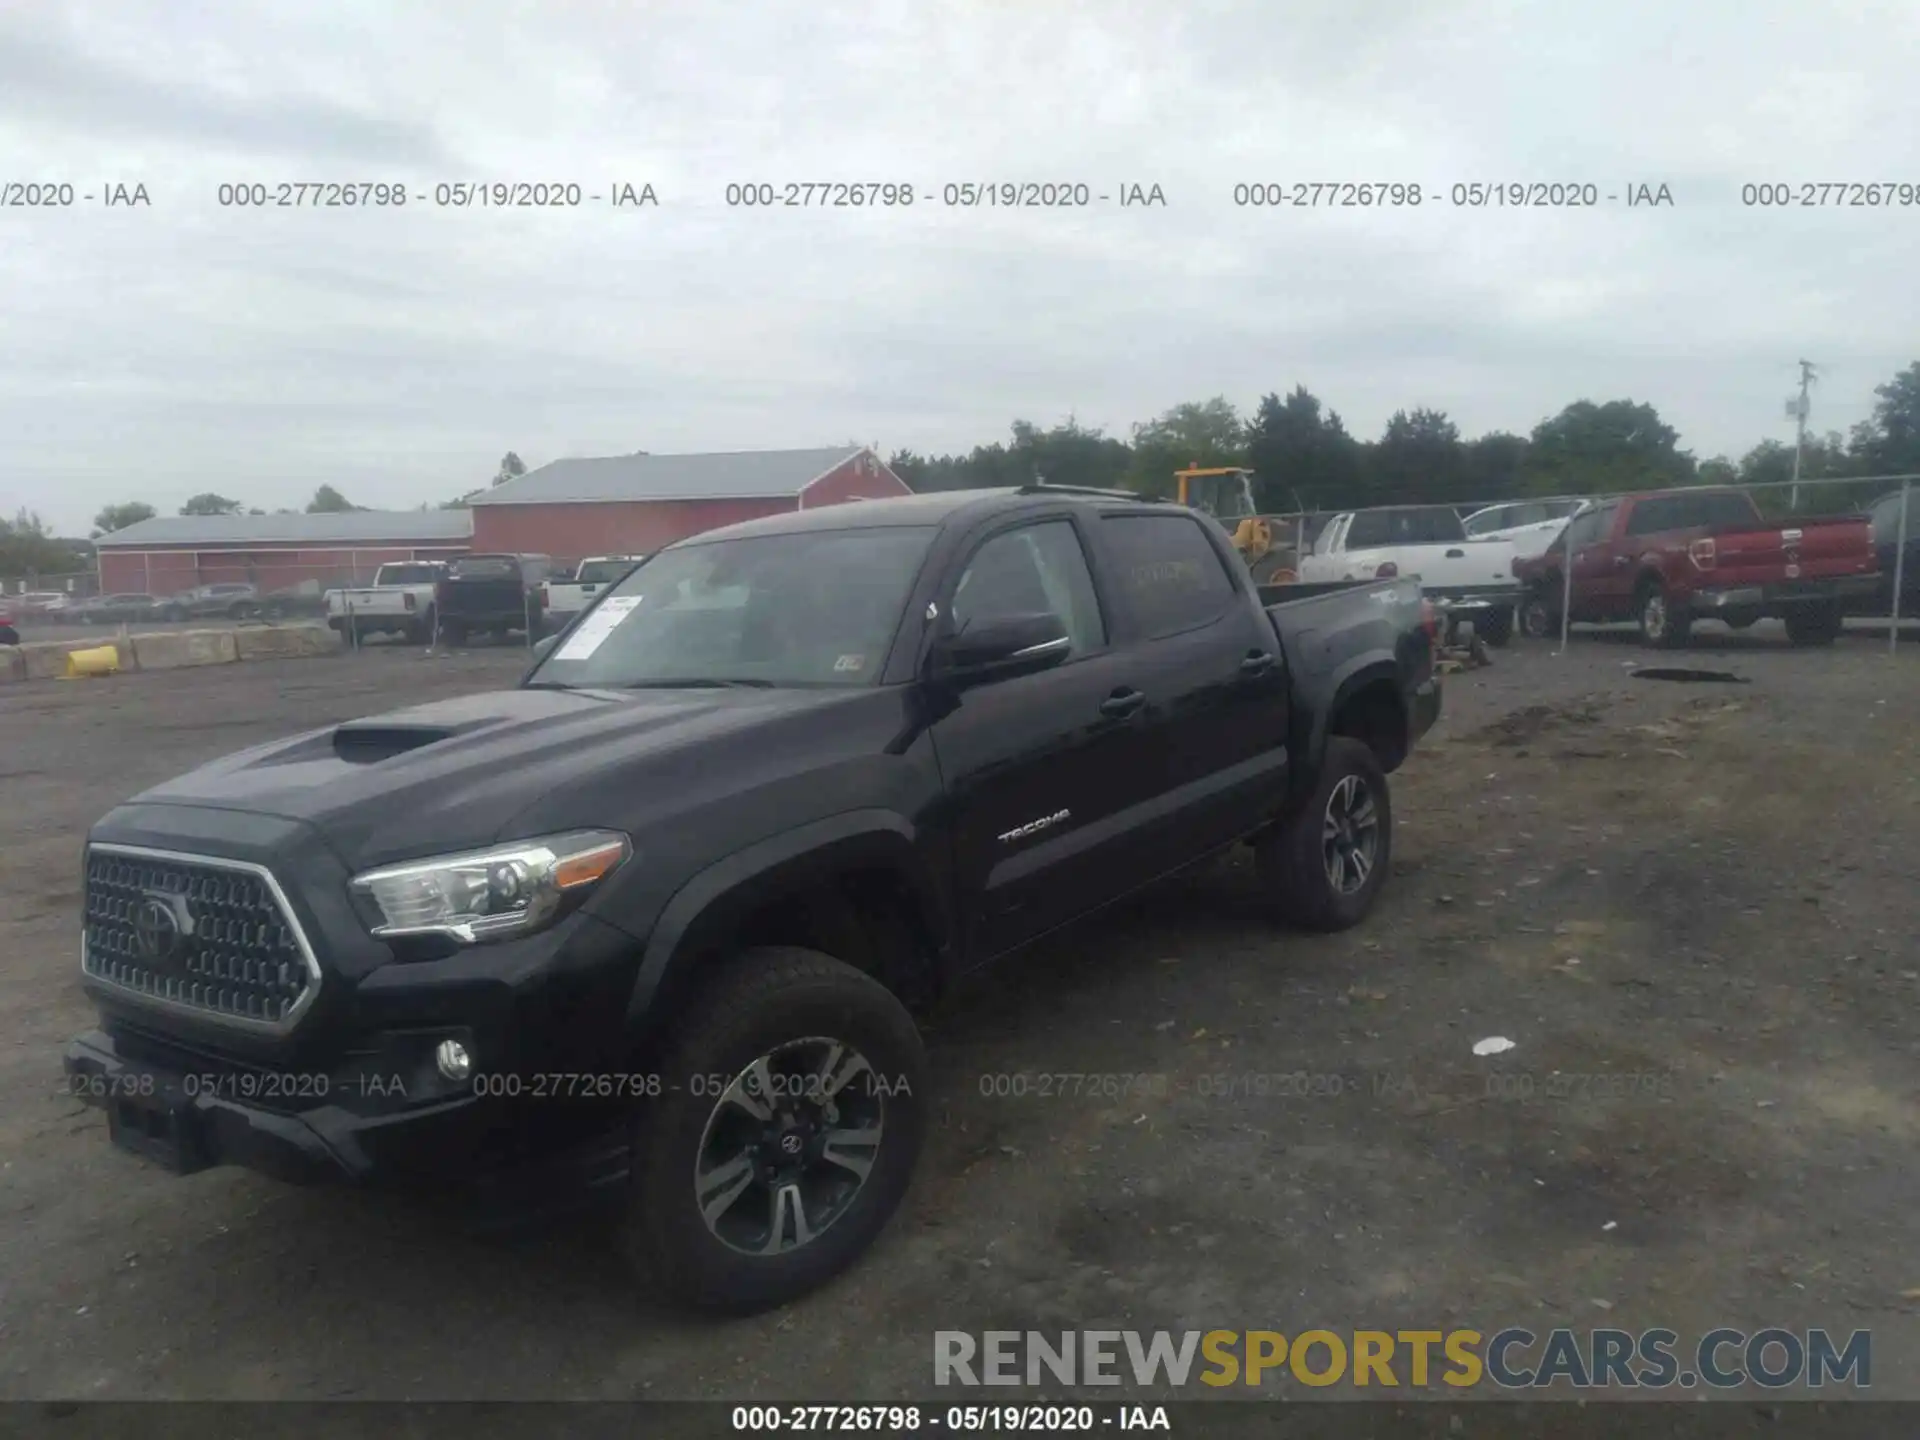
<point>653,923</point>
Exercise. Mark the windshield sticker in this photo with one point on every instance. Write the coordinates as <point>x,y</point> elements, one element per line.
<point>593,631</point>
<point>848,663</point>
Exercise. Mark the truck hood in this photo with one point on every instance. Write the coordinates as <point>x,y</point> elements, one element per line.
<point>455,773</point>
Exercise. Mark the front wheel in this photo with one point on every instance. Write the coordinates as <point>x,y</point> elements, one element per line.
<point>793,1111</point>
<point>1322,867</point>
<point>1539,617</point>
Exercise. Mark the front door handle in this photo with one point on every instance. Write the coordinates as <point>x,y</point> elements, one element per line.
<point>1620,562</point>
<point>1258,662</point>
<point>1456,554</point>
<point>1122,703</point>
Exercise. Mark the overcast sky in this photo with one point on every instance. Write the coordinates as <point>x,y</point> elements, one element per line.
<point>152,353</point>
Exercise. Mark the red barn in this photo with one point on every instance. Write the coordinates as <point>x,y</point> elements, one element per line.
<point>635,504</point>
<point>172,553</point>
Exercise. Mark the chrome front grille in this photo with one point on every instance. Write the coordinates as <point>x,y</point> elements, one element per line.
<point>188,932</point>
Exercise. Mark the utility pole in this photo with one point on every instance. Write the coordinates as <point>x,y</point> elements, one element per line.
<point>1799,408</point>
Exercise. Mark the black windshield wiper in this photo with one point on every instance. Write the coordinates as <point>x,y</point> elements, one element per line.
<point>699,682</point>
<point>545,685</point>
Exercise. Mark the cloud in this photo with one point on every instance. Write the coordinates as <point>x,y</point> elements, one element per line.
<point>161,352</point>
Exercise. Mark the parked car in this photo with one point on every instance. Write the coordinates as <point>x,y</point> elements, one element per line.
<point>1669,557</point>
<point>9,633</point>
<point>1884,517</point>
<point>786,780</point>
<point>490,594</point>
<point>563,598</point>
<point>399,602</point>
<point>204,602</point>
<point>1529,525</point>
<point>48,604</point>
<point>126,608</point>
<point>305,599</point>
<point>1467,580</point>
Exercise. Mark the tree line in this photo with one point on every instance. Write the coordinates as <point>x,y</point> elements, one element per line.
<point>1304,458</point>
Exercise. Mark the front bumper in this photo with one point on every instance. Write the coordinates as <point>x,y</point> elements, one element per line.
<point>1783,594</point>
<point>305,1128</point>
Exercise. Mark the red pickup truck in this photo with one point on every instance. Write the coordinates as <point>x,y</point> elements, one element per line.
<point>1670,557</point>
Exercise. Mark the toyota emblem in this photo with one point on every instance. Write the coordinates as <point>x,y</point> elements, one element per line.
<point>161,927</point>
<point>790,1143</point>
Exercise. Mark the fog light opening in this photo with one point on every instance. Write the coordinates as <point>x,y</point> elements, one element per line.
<point>453,1060</point>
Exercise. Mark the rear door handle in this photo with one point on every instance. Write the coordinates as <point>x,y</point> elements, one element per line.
<point>1620,562</point>
<point>1122,703</point>
<point>1456,554</point>
<point>1256,663</point>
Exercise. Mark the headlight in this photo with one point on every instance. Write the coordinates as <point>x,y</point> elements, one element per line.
<point>509,890</point>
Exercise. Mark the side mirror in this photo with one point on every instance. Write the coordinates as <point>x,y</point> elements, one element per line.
<point>1003,646</point>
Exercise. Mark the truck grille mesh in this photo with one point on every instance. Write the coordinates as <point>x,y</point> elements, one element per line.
<point>196,934</point>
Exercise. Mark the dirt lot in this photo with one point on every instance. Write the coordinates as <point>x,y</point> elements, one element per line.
<point>1692,907</point>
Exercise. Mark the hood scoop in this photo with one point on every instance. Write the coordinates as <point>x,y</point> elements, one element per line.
<point>370,742</point>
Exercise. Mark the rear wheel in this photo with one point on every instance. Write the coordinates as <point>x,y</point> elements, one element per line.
<point>1322,867</point>
<point>1663,625</point>
<point>786,1135</point>
<point>1814,624</point>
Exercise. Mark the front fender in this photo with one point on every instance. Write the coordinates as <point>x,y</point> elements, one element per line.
<point>702,909</point>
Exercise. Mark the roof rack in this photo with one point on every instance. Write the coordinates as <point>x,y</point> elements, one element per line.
<point>1045,488</point>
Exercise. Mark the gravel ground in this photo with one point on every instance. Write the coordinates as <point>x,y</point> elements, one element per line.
<point>1691,907</point>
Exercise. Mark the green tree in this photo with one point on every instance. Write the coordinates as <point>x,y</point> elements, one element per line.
<point>212,504</point>
<point>1205,433</point>
<point>1718,471</point>
<point>511,468</point>
<point>1069,454</point>
<point>329,501</point>
<point>27,550</point>
<point>1301,457</point>
<point>1418,460</point>
<point>1590,449</point>
<point>1889,443</point>
<point>119,517</point>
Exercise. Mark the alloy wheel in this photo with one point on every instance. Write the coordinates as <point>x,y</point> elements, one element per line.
<point>788,1146</point>
<point>1350,834</point>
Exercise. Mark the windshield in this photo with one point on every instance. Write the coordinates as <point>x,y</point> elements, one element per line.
<point>407,575</point>
<point>805,609</point>
<point>1426,525</point>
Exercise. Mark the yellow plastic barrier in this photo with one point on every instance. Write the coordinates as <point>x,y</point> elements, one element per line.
<point>90,664</point>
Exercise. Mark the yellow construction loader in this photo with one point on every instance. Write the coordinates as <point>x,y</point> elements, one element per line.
<point>1226,493</point>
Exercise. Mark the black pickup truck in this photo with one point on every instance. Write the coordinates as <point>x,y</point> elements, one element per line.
<point>655,920</point>
<point>490,595</point>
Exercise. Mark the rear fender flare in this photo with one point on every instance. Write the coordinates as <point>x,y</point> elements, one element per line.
<point>703,907</point>
<point>1351,678</point>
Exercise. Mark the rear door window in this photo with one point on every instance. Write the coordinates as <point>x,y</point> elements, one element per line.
<point>1170,576</point>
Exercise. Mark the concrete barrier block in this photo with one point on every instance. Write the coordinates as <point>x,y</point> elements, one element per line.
<point>285,642</point>
<point>181,648</point>
<point>47,659</point>
<point>12,666</point>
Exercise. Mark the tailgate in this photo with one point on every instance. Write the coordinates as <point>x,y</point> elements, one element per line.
<point>375,602</point>
<point>1807,548</point>
<point>482,597</point>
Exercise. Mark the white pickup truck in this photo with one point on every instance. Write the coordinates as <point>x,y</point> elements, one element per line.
<point>562,600</point>
<point>399,602</point>
<point>1466,579</point>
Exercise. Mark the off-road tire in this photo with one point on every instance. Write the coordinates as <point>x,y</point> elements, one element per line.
<point>756,1001</point>
<point>1290,860</point>
<point>1663,625</point>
